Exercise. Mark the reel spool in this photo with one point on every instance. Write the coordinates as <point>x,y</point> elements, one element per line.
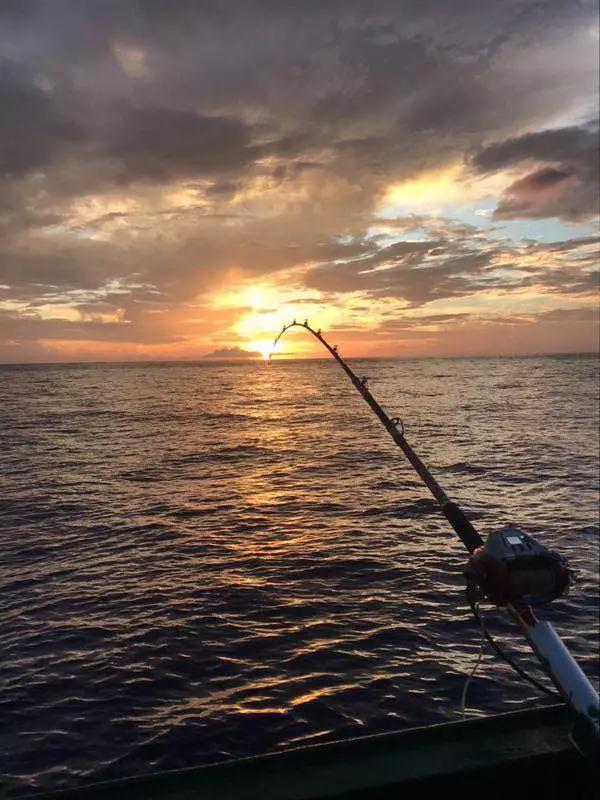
<point>513,568</point>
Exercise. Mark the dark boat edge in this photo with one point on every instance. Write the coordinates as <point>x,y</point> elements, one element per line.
<point>506,754</point>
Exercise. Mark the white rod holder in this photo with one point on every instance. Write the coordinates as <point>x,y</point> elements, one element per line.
<point>566,673</point>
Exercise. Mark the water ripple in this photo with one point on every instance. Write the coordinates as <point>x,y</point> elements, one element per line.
<point>203,561</point>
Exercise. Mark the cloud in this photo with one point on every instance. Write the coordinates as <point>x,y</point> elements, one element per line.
<point>415,272</point>
<point>178,150</point>
<point>564,182</point>
<point>154,143</point>
<point>35,130</point>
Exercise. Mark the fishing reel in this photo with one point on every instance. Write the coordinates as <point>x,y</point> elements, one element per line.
<point>513,568</point>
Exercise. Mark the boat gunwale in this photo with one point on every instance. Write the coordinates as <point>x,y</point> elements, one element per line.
<point>555,718</point>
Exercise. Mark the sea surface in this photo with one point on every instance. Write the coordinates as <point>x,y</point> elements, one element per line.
<point>201,561</point>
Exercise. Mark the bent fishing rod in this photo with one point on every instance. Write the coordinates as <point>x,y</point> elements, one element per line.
<point>510,569</point>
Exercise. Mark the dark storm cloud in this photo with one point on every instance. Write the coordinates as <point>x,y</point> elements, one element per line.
<point>35,131</point>
<point>563,184</point>
<point>420,272</point>
<point>411,271</point>
<point>559,145</point>
<point>139,143</point>
<point>160,143</point>
<point>354,77</point>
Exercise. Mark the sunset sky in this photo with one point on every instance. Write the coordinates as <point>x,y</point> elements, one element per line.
<point>180,178</point>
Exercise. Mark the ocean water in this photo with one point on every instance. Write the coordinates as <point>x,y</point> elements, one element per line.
<point>203,561</point>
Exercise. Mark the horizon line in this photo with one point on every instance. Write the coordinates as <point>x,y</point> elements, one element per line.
<point>209,360</point>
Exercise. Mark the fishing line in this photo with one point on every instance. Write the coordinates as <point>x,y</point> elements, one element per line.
<point>499,650</point>
<point>463,699</point>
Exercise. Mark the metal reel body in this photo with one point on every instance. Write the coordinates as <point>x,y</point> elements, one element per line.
<point>513,568</point>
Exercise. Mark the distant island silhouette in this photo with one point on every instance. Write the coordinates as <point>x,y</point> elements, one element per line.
<point>233,352</point>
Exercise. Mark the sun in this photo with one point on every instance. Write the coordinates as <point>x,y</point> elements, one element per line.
<point>262,346</point>
<point>263,310</point>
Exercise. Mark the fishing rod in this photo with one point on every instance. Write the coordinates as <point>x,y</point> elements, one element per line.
<point>510,569</point>
<point>462,526</point>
